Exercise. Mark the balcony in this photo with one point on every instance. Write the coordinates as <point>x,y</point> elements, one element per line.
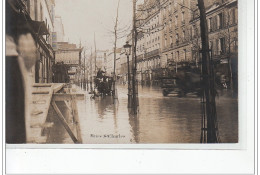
<point>152,53</point>
<point>140,58</point>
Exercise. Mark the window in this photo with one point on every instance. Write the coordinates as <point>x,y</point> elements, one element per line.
<point>210,24</point>
<point>41,13</point>
<point>233,16</point>
<point>165,41</point>
<point>196,32</point>
<point>235,44</point>
<point>176,20</point>
<point>211,45</point>
<point>171,40</point>
<point>222,45</point>
<point>191,32</point>
<point>182,16</point>
<point>220,21</point>
<point>184,51</point>
<point>177,56</point>
<point>36,10</point>
<point>177,37</point>
<point>28,6</point>
<point>183,34</point>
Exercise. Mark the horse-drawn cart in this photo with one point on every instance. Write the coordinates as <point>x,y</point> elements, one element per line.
<point>103,85</point>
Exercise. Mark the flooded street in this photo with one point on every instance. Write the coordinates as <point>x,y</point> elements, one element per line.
<point>160,119</point>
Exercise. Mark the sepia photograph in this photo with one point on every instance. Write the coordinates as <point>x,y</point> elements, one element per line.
<point>121,72</point>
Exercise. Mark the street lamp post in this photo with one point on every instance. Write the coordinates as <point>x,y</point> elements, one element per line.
<point>127,48</point>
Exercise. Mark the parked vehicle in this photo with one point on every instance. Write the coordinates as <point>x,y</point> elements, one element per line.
<point>103,85</point>
<point>186,80</point>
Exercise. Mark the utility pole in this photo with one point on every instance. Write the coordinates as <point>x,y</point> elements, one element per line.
<point>210,133</point>
<point>95,54</point>
<point>115,48</point>
<point>134,61</point>
<point>84,81</point>
<point>91,72</point>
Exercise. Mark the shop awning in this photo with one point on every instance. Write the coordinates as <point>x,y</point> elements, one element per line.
<point>40,27</point>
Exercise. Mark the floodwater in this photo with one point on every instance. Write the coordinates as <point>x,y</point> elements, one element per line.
<point>160,119</point>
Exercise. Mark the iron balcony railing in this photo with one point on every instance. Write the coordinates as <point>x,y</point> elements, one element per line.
<point>140,57</point>
<point>152,53</point>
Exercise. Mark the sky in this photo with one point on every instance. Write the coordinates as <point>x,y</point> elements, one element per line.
<point>82,19</point>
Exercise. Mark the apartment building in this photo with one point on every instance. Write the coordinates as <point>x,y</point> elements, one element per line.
<point>148,40</point>
<point>42,13</point>
<point>222,20</point>
<point>58,33</point>
<point>176,33</point>
<point>37,18</point>
<point>70,55</point>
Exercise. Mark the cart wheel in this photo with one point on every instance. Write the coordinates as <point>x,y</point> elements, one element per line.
<point>181,94</point>
<point>199,93</point>
<point>165,93</point>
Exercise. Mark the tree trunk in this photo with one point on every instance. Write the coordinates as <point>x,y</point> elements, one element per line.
<point>208,78</point>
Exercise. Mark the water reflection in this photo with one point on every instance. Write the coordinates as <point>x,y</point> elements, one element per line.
<point>159,119</point>
<point>134,123</point>
<point>104,105</point>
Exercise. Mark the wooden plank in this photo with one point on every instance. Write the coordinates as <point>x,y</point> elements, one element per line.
<point>64,123</point>
<point>42,85</point>
<point>57,87</point>
<point>67,97</point>
<point>40,92</point>
<point>39,107</point>
<point>76,117</point>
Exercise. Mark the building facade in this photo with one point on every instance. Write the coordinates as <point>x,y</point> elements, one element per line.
<point>169,35</point>
<point>70,55</point>
<point>42,13</point>
<point>37,17</point>
<point>148,48</point>
<point>175,34</point>
<point>222,21</point>
<point>100,59</point>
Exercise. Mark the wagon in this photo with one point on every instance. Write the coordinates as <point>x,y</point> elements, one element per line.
<point>103,85</point>
<point>182,83</point>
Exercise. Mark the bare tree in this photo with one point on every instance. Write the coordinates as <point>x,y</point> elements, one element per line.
<point>115,49</point>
